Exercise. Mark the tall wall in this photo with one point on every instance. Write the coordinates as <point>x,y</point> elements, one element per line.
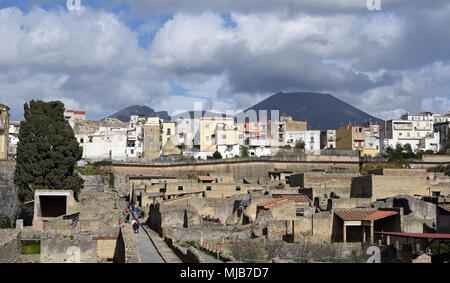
<point>239,170</point>
<point>9,202</point>
<point>321,180</point>
<point>10,247</point>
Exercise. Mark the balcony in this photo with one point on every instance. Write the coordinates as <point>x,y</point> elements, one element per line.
<point>403,127</point>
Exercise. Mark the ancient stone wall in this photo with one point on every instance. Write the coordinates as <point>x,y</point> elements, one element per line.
<point>252,170</point>
<point>399,172</point>
<point>127,249</point>
<point>10,247</point>
<point>9,202</point>
<point>76,248</point>
<point>190,255</point>
<point>210,232</point>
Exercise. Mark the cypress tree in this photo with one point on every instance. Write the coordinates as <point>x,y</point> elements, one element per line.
<point>47,153</point>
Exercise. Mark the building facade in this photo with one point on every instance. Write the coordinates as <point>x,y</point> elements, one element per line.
<point>72,116</point>
<point>4,131</point>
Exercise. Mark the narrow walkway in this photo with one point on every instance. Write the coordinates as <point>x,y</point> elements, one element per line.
<point>147,250</point>
<point>161,246</point>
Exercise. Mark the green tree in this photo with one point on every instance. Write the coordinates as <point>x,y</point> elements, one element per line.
<point>216,155</point>
<point>300,144</point>
<point>244,152</point>
<point>47,153</point>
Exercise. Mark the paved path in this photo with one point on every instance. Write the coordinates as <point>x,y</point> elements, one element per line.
<point>167,253</point>
<point>147,250</point>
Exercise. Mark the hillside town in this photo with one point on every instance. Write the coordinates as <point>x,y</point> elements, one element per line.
<point>214,190</point>
<point>146,137</point>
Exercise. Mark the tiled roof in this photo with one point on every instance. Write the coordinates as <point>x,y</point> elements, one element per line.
<point>275,202</point>
<point>360,215</point>
<point>297,198</point>
<point>445,207</point>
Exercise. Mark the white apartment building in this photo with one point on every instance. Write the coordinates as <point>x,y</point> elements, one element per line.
<point>328,139</point>
<point>417,131</point>
<point>102,140</point>
<point>310,138</point>
<point>443,129</point>
<point>13,137</point>
<point>72,116</point>
<point>187,132</point>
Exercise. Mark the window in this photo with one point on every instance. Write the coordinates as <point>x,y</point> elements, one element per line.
<point>90,139</point>
<point>180,188</point>
<point>209,188</point>
<point>207,126</point>
<point>81,140</point>
<point>224,136</point>
<point>238,188</point>
<point>132,151</point>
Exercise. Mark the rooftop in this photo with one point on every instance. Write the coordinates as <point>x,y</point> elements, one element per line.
<point>363,215</point>
<point>445,207</point>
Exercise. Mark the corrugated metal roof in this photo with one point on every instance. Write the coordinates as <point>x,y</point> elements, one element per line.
<point>363,215</point>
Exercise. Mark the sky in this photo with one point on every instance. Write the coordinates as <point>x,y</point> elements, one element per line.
<point>230,55</point>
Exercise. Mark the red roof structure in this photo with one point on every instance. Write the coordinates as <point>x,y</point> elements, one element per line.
<point>275,202</point>
<point>297,198</point>
<point>363,215</point>
<point>77,112</point>
<point>416,235</point>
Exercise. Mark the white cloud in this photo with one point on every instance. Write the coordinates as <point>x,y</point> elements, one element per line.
<point>86,59</point>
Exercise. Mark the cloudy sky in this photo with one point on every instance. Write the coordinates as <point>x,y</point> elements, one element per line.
<point>168,54</point>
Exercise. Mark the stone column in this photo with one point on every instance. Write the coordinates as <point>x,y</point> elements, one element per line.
<point>345,233</point>
<point>371,232</point>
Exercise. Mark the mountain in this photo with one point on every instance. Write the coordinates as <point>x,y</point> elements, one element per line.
<point>321,111</point>
<point>124,114</point>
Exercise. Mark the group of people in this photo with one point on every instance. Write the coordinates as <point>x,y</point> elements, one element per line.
<point>210,218</point>
<point>134,213</point>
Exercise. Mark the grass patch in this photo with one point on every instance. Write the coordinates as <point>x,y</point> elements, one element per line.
<point>31,247</point>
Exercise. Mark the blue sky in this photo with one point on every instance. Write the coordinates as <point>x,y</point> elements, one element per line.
<point>169,54</point>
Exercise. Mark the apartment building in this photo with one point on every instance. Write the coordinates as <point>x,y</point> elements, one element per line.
<point>187,132</point>
<point>416,130</point>
<point>350,137</point>
<point>4,131</point>
<point>328,139</point>
<point>72,116</point>
<point>219,134</point>
<point>14,129</point>
<point>310,138</point>
<point>444,133</point>
<point>102,140</point>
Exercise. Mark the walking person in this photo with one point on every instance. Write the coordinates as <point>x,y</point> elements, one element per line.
<point>136,227</point>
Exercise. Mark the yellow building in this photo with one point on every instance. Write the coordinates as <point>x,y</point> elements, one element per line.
<point>168,131</point>
<point>350,137</point>
<point>217,131</point>
<point>4,131</point>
